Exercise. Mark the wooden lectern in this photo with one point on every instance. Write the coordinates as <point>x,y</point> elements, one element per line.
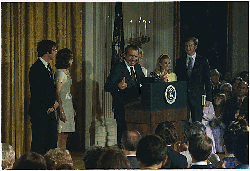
<point>160,101</point>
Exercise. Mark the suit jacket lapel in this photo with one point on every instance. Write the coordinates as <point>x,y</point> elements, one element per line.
<point>127,74</point>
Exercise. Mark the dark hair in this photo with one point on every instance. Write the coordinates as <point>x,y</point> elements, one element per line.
<point>195,40</point>
<point>151,150</point>
<point>167,131</point>
<point>134,47</point>
<point>237,78</point>
<point>241,149</point>
<point>30,161</point>
<point>130,140</point>
<point>64,167</point>
<point>91,156</point>
<point>195,128</point>
<point>200,146</point>
<point>229,137</point>
<point>62,58</point>
<point>45,46</point>
<point>113,158</point>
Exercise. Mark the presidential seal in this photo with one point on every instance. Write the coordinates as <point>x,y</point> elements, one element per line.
<point>170,94</point>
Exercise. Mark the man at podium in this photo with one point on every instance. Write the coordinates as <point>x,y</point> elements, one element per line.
<point>124,82</point>
<point>195,70</point>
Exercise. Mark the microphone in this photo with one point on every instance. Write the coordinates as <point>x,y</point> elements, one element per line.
<point>153,74</point>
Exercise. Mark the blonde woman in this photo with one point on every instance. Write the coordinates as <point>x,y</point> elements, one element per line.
<point>163,69</point>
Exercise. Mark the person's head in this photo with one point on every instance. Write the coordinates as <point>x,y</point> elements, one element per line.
<point>131,54</point>
<point>64,167</point>
<point>191,44</point>
<point>200,147</point>
<point>91,156</point>
<point>56,157</point>
<point>130,140</point>
<point>113,158</point>
<point>64,59</point>
<point>163,63</point>
<point>47,47</point>
<point>30,161</point>
<point>8,156</point>
<point>219,99</point>
<point>228,76</point>
<point>235,83</point>
<point>152,150</point>
<point>226,89</point>
<point>241,149</point>
<point>167,131</point>
<point>140,56</point>
<point>242,89</point>
<point>194,128</point>
<point>215,76</point>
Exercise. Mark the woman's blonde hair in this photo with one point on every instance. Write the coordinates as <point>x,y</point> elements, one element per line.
<point>159,60</point>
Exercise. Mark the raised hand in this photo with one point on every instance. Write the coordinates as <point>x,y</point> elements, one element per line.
<point>164,75</point>
<point>122,85</point>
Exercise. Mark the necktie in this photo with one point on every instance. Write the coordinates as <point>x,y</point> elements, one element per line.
<point>50,69</point>
<point>133,75</point>
<point>189,67</point>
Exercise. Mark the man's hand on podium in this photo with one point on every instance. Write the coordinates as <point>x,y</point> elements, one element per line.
<point>122,85</point>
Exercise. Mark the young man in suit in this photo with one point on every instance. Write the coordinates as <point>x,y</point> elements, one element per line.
<point>43,101</point>
<point>195,70</point>
<point>124,82</point>
<point>167,131</point>
<point>200,147</point>
<point>129,143</point>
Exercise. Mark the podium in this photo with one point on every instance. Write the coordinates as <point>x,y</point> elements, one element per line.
<point>159,102</point>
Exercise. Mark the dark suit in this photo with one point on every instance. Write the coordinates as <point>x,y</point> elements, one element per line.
<point>134,163</point>
<point>199,167</point>
<point>200,77</point>
<point>43,96</point>
<point>122,97</point>
<point>178,161</point>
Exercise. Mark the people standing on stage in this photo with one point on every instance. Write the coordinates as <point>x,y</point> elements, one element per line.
<point>196,71</point>
<point>163,69</point>
<point>43,101</point>
<point>144,70</point>
<point>66,112</point>
<point>124,82</point>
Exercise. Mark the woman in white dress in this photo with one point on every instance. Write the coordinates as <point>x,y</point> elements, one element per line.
<point>66,112</point>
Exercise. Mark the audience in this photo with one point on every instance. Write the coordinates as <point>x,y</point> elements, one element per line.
<point>234,104</point>
<point>113,158</point>
<point>129,143</point>
<point>234,84</point>
<point>197,128</point>
<point>57,157</point>
<point>30,161</point>
<point>167,131</point>
<point>91,156</point>
<point>8,156</point>
<point>216,125</point>
<point>216,84</point>
<point>226,89</point>
<point>152,152</point>
<point>200,147</point>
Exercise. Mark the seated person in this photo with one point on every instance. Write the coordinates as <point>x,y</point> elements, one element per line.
<point>163,69</point>
<point>234,84</point>
<point>200,147</point>
<point>129,143</point>
<point>215,79</point>
<point>56,157</point>
<point>226,89</point>
<point>167,131</point>
<point>113,158</point>
<point>30,161</point>
<point>91,156</point>
<point>8,156</point>
<point>197,128</point>
<point>152,152</point>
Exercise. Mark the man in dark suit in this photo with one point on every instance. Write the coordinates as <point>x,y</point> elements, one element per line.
<point>124,82</point>
<point>200,147</point>
<point>196,71</point>
<point>237,105</point>
<point>129,143</point>
<point>43,101</point>
<point>167,131</point>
